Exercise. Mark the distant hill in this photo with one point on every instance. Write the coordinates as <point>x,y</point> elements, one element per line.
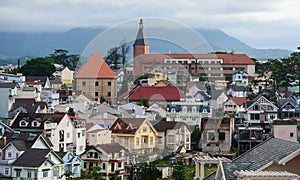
<point>16,45</point>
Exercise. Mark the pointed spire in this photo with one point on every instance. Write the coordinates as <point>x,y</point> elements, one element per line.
<point>141,39</point>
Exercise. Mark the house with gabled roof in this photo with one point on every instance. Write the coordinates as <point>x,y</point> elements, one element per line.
<point>38,81</point>
<point>97,79</point>
<point>38,164</point>
<point>277,158</point>
<point>72,163</point>
<point>64,133</point>
<point>172,135</point>
<point>236,91</point>
<point>260,111</point>
<point>235,105</point>
<point>109,157</point>
<point>288,108</point>
<point>217,99</point>
<point>135,134</point>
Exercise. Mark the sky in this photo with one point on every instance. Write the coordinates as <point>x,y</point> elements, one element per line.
<point>258,23</point>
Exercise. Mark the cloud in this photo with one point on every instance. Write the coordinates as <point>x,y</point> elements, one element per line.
<point>255,21</point>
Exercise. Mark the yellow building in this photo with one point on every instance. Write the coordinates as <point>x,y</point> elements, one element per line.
<point>67,76</point>
<point>97,79</point>
<point>135,134</point>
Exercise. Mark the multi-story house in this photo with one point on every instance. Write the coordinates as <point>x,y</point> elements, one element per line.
<point>172,135</point>
<point>67,76</point>
<point>96,134</point>
<point>72,163</point>
<point>64,133</point>
<point>50,96</point>
<point>189,111</point>
<point>235,105</point>
<point>97,79</point>
<point>109,157</point>
<point>237,91</point>
<point>217,99</point>
<point>27,105</point>
<point>260,111</point>
<point>135,134</point>
<point>248,137</point>
<point>288,108</point>
<point>8,91</point>
<point>216,135</point>
<point>240,78</point>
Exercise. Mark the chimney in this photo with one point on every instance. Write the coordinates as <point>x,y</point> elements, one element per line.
<point>4,144</point>
<point>44,133</point>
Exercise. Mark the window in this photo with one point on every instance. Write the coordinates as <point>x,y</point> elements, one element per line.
<point>18,173</point>
<point>78,135</point>
<point>9,154</point>
<point>109,83</point>
<point>291,134</point>
<point>83,83</point>
<point>221,136</point>
<point>103,166</point>
<point>126,141</point>
<point>96,93</point>
<point>109,94</point>
<point>211,136</point>
<point>137,141</point>
<point>96,83</point>
<point>151,140</point>
<point>23,123</point>
<point>29,174</point>
<point>144,129</point>
<point>45,173</point>
<point>171,138</point>
<point>56,172</point>
<point>254,116</point>
<point>184,109</point>
<point>119,165</point>
<point>159,140</point>
<point>255,107</point>
<point>6,171</point>
<point>34,124</point>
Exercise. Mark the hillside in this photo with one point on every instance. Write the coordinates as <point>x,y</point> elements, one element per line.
<point>16,45</point>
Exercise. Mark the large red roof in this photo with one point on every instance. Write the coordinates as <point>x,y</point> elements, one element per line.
<point>96,67</point>
<point>167,93</point>
<point>227,58</point>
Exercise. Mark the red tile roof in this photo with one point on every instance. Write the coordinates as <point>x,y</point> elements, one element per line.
<point>167,93</point>
<point>239,100</point>
<point>227,58</point>
<point>96,67</point>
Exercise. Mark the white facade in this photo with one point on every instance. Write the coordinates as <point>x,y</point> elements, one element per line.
<point>240,78</point>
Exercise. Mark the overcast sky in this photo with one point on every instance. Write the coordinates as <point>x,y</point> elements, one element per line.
<point>258,23</point>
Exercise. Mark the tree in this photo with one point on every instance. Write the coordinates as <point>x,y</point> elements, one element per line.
<point>68,174</point>
<point>124,48</point>
<point>115,175</point>
<point>113,57</point>
<point>38,67</point>
<point>61,56</point>
<point>145,102</point>
<point>179,171</point>
<point>149,172</point>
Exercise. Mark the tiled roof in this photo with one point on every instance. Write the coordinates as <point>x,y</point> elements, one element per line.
<point>56,80</point>
<point>111,147</point>
<point>127,125</point>
<point>96,67</point>
<point>8,85</point>
<point>237,88</point>
<point>157,93</point>
<point>200,108</point>
<point>164,125</point>
<point>270,151</point>
<point>32,158</point>
<point>241,59</point>
<point>40,117</point>
<point>239,100</point>
<point>230,168</point>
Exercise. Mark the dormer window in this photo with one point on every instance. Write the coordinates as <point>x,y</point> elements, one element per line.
<point>23,123</point>
<point>204,110</point>
<point>35,124</point>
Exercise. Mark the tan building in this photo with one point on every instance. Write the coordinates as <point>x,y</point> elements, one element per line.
<point>67,76</point>
<point>135,134</point>
<point>97,79</point>
<point>216,66</point>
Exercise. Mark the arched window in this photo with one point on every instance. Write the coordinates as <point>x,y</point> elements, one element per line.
<point>23,123</point>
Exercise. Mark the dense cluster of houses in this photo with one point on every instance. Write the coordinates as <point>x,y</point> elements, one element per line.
<point>53,128</point>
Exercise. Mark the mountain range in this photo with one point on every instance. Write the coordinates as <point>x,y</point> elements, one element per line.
<point>15,45</point>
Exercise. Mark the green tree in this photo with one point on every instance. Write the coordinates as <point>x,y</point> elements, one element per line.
<point>61,56</point>
<point>68,174</point>
<point>124,50</point>
<point>38,67</point>
<point>115,175</point>
<point>149,172</point>
<point>102,99</point>
<point>179,171</point>
<point>113,57</point>
<point>145,102</point>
